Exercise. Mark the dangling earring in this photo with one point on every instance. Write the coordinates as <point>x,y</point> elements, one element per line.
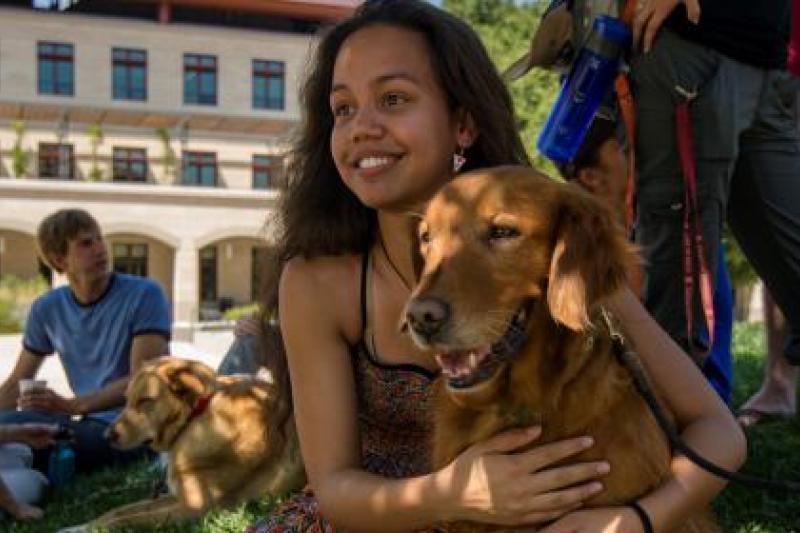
<point>458,160</point>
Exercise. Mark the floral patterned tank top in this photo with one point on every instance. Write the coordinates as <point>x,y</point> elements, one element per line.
<point>394,402</point>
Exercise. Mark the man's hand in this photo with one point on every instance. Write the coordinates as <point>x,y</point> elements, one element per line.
<point>48,401</point>
<point>650,15</point>
<point>25,368</point>
<point>34,435</point>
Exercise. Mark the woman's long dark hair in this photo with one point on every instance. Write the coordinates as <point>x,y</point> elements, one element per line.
<point>317,214</point>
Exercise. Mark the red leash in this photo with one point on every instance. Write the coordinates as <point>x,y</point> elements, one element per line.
<point>692,232</point>
<point>622,88</point>
<point>628,112</point>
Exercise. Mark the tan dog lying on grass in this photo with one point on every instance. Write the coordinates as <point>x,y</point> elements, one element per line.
<point>515,265</point>
<point>221,436</point>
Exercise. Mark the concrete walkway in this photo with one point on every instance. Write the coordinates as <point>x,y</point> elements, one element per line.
<point>208,347</point>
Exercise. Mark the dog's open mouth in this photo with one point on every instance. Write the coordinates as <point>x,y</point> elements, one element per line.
<point>467,368</point>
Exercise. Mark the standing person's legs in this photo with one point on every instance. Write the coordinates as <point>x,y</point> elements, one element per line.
<point>765,216</point>
<point>720,110</point>
<point>776,398</point>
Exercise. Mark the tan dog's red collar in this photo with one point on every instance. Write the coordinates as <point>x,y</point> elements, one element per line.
<point>200,406</point>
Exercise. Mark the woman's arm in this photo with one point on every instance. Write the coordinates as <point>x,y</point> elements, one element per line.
<point>706,424</point>
<point>488,482</point>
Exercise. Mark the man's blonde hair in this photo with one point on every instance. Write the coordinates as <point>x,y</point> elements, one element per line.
<point>58,229</point>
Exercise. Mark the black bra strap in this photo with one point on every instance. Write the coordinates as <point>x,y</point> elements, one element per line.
<point>364,271</point>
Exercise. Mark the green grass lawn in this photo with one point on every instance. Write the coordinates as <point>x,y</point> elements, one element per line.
<point>774,451</point>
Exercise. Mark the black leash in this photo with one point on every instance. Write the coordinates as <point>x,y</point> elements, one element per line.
<point>630,360</point>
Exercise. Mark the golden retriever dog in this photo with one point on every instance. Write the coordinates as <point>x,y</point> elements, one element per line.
<point>220,435</point>
<point>515,266</point>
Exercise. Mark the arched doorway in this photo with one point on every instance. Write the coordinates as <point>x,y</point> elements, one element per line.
<point>230,272</point>
<point>142,255</point>
<point>18,257</point>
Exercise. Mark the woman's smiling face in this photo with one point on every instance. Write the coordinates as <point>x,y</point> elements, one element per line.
<point>394,134</point>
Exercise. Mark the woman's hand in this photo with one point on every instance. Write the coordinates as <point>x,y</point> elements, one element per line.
<point>605,519</point>
<point>247,325</point>
<point>493,482</point>
<point>651,14</point>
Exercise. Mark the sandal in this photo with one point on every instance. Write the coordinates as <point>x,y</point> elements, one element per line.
<point>748,417</point>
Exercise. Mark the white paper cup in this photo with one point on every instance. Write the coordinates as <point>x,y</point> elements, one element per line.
<point>27,385</point>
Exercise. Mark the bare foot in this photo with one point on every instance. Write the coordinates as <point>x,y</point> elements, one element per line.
<point>23,511</point>
<point>777,397</point>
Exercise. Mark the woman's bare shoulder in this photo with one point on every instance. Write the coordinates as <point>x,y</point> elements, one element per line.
<point>329,271</point>
<point>330,282</point>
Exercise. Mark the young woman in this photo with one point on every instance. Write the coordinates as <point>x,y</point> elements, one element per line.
<point>397,94</point>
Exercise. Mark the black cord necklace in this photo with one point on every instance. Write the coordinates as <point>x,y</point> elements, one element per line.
<point>392,265</point>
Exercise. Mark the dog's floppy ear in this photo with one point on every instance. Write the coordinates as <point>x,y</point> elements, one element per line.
<point>590,258</point>
<point>191,380</point>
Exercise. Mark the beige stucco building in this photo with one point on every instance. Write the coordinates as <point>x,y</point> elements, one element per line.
<point>167,120</point>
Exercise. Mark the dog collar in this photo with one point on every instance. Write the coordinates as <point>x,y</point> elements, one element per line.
<point>200,406</point>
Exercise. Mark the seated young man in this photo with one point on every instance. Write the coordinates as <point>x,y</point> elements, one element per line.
<point>103,326</point>
<point>600,167</point>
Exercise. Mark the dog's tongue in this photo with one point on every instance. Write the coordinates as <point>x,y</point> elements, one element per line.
<point>462,363</point>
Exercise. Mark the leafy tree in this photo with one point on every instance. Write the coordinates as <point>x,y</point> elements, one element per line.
<point>506,29</point>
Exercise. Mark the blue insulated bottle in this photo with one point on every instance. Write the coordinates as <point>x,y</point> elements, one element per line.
<point>589,80</point>
<point>61,466</point>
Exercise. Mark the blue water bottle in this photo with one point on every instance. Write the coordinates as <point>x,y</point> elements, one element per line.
<point>589,80</point>
<point>61,465</point>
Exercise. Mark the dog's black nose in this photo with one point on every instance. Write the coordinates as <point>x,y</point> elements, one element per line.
<point>426,316</point>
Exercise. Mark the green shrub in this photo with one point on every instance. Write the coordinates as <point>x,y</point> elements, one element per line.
<point>16,297</point>
<point>169,157</point>
<point>235,312</point>
<point>95,133</point>
<point>19,158</point>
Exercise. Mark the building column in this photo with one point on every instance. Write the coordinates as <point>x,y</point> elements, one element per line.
<point>186,292</point>
<point>164,12</point>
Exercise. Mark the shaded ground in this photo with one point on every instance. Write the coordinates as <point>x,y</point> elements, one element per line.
<point>774,451</point>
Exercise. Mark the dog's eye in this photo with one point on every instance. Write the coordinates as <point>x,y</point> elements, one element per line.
<point>144,403</point>
<point>497,232</point>
<point>424,237</point>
